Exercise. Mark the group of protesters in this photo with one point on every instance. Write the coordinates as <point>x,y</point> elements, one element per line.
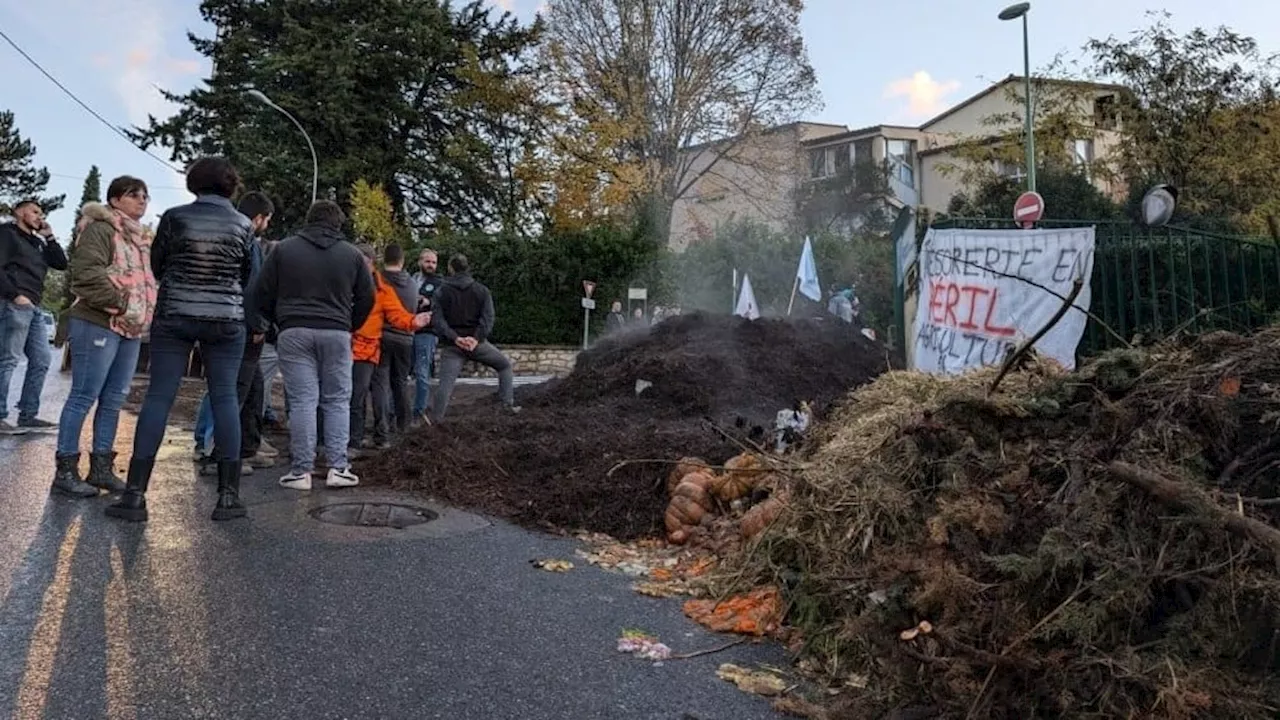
<point>314,305</point>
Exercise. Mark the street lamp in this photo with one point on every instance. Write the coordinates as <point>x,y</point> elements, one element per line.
<point>1013,12</point>
<point>315,164</point>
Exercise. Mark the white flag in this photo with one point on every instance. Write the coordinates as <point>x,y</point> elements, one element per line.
<point>747,307</point>
<point>807,274</point>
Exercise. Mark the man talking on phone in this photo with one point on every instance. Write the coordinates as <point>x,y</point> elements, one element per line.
<point>27,251</point>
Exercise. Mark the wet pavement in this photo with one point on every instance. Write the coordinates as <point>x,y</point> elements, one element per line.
<point>284,616</point>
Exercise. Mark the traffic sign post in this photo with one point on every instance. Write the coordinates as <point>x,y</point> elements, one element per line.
<point>1028,209</point>
<point>588,305</point>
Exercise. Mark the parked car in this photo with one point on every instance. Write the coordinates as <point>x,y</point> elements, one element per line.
<point>50,323</point>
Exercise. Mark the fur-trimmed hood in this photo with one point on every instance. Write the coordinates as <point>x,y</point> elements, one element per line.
<point>96,211</point>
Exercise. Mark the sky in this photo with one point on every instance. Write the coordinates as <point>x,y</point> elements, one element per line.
<point>875,63</point>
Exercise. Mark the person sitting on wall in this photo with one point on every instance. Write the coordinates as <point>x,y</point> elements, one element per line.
<point>463,319</point>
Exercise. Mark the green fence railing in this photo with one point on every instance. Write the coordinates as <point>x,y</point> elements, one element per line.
<point>1153,282</point>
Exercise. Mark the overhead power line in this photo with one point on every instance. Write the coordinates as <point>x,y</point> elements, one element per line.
<point>82,104</point>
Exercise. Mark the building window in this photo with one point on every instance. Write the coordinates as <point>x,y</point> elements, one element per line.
<point>843,157</point>
<point>829,161</point>
<point>902,161</point>
<point>1106,113</point>
<point>862,151</point>
<point>1082,152</point>
<point>1010,170</point>
<point>818,163</point>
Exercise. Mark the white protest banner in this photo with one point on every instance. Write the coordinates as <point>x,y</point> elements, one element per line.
<point>974,306</point>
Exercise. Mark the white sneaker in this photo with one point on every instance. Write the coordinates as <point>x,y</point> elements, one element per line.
<point>341,478</point>
<point>296,481</point>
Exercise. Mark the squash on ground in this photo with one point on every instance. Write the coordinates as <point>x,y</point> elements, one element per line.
<point>741,475</point>
<point>690,503</point>
<point>684,466</point>
<point>760,517</point>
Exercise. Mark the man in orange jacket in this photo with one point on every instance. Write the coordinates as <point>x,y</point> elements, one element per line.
<point>366,346</point>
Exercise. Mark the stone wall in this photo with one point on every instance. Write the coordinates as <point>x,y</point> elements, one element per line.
<point>556,360</point>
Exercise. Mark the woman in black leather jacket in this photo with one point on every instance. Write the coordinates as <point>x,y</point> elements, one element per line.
<point>202,262</point>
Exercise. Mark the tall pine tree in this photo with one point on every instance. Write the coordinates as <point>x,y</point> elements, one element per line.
<point>424,97</point>
<point>92,193</point>
<point>20,179</point>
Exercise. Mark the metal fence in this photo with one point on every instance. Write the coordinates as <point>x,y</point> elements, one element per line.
<point>1154,282</point>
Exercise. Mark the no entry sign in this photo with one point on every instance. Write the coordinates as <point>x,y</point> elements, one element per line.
<point>1028,208</point>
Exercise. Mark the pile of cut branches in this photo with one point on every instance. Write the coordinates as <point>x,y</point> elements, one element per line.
<point>1099,543</point>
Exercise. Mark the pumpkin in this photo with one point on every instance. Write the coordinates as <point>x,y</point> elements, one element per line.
<point>690,503</point>
<point>705,479</point>
<point>684,466</point>
<point>741,475</point>
<point>760,517</point>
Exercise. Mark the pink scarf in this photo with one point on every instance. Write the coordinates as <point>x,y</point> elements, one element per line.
<point>130,271</point>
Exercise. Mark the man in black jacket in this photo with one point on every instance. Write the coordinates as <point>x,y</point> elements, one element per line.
<point>27,251</point>
<point>463,320</point>
<point>316,288</point>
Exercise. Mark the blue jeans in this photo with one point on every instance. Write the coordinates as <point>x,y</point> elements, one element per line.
<point>221,346</point>
<point>424,353</point>
<point>23,333</point>
<point>204,424</point>
<point>102,365</point>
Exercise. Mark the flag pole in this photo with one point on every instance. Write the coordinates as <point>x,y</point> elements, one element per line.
<point>794,286</point>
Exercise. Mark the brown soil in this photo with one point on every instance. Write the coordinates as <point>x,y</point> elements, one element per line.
<point>549,466</point>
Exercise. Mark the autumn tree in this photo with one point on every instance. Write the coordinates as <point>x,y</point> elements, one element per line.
<point>1201,114</point>
<point>372,214</point>
<point>20,179</point>
<point>427,98</point>
<point>644,80</point>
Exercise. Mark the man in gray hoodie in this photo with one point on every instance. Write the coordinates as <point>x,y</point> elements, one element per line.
<point>391,390</point>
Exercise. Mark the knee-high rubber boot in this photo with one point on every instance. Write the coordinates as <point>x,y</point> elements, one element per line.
<point>133,501</point>
<point>229,506</point>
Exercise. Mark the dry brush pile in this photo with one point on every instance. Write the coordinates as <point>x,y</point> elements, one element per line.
<point>1097,544</point>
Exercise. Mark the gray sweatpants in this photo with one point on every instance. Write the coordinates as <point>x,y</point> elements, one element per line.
<point>316,365</point>
<point>452,358</point>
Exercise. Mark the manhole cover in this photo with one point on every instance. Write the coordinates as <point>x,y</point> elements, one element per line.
<point>374,515</point>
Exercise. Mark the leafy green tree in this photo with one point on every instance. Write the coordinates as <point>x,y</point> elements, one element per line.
<point>537,282</point>
<point>429,99</point>
<point>20,179</point>
<point>1068,194</point>
<point>1201,114</point>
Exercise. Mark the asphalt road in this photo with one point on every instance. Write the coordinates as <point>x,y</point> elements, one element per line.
<point>284,616</point>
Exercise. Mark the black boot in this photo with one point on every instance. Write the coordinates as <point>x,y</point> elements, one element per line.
<point>133,502</point>
<point>102,473</point>
<point>229,506</point>
<point>66,478</point>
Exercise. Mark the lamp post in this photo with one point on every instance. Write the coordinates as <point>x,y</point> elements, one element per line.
<point>1013,12</point>
<point>315,164</point>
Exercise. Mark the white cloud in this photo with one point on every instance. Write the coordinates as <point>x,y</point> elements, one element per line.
<point>925,96</point>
